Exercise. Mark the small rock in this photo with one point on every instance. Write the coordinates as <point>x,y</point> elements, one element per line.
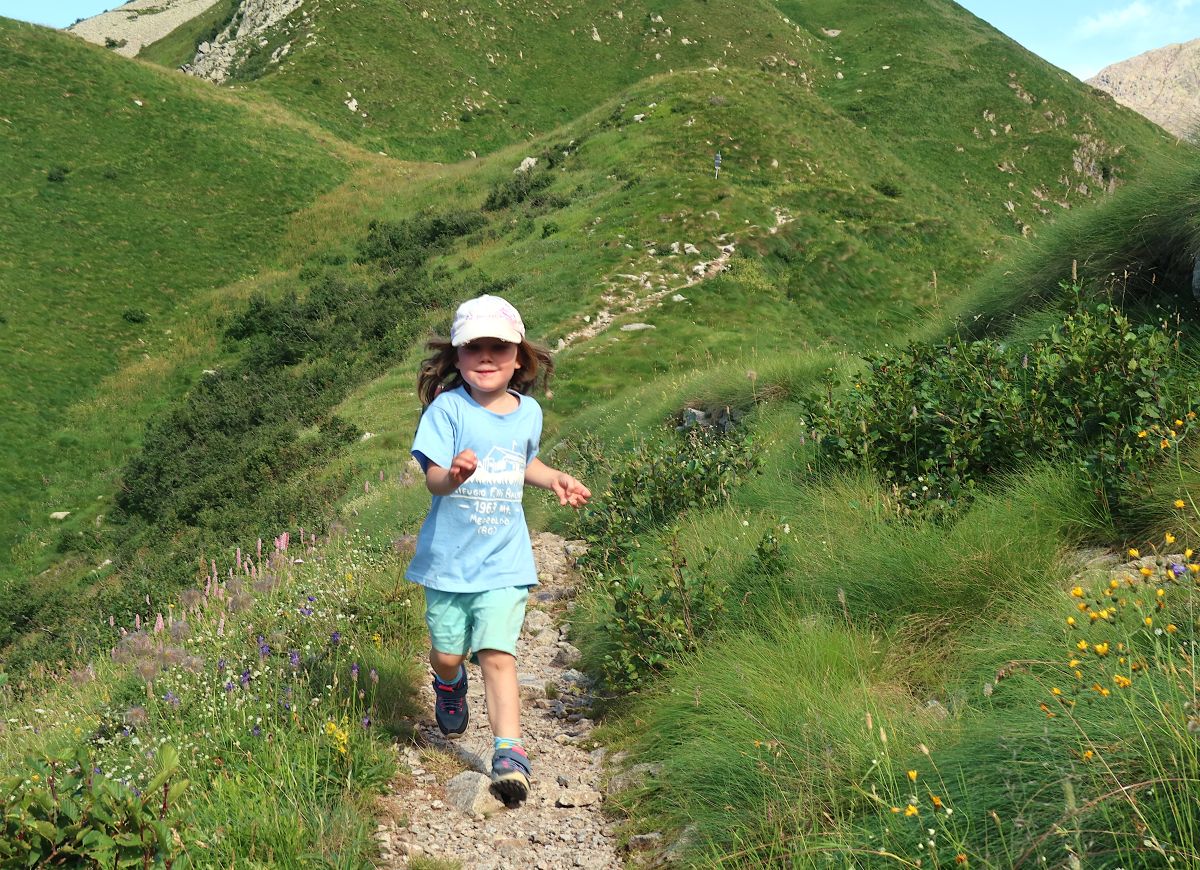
<point>537,621</point>
<point>563,781</point>
<point>527,164</point>
<point>636,327</point>
<point>567,655</point>
<point>578,797</point>
<point>633,777</point>
<point>689,248</point>
<point>469,793</point>
<point>60,515</point>
<point>642,842</point>
<point>678,297</point>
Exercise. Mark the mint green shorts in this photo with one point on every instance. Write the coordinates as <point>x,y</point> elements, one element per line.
<point>462,622</point>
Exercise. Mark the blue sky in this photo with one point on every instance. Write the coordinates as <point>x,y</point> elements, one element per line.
<point>1081,36</point>
<point>1084,36</point>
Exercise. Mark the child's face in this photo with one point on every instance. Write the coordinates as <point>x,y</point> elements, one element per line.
<point>488,364</point>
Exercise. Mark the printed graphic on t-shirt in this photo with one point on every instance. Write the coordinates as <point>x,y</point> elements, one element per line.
<point>493,493</point>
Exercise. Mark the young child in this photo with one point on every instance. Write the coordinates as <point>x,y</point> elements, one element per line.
<point>477,443</point>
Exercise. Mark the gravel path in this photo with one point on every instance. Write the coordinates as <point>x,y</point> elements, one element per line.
<point>442,809</point>
<point>139,22</point>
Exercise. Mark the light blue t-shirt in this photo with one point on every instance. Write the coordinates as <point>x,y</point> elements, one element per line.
<point>476,538</point>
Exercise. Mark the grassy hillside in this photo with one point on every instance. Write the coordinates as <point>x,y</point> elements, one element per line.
<point>779,615</point>
<point>130,193</point>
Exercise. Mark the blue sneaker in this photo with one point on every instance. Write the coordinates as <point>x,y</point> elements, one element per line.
<point>510,775</point>
<point>450,706</point>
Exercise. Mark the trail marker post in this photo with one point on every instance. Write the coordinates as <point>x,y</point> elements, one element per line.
<point>717,165</point>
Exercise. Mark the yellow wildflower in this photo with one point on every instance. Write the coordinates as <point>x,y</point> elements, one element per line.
<point>1171,629</point>
<point>911,810</point>
<point>1133,553</point>
<point>937,801</point>
<point>1149,621</point>
<point>1145,571</point>
<point>1178,424</point>
<point>1087,755</point>
<point>1070,620</point>
<point>1169,538</point>
<point>1077,591</point>
<point>1101,649</point>
<point>895,809</point>
<point>1056,691</point>
<point>1179,503</point>
<point>1082,646</point>
<point>1073,663</point>
<point>1122,682</point>
<point>1164,444</point>
<point>912,776</point>
<point>1142,434</point>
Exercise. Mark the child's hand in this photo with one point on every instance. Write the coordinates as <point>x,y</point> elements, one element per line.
<point>570,491</point>
<point>463,466</point>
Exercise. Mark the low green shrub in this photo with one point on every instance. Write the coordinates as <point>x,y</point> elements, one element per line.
<point>61,811</point>
<point>658,480</point>
<point>658,613</point>
<point>937,420</point>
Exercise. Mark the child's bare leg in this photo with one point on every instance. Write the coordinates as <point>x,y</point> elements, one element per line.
<point>445,665</point>
<point>503,695</point>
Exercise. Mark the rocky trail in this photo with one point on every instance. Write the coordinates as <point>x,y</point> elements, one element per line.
<point>441,807</point>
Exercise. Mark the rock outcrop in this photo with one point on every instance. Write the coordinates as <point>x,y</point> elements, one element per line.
<point>1163,85</point>
<point>216,60</point>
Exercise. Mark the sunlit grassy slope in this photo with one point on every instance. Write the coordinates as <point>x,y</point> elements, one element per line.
<point>867,177</point>
<point>128,192</point>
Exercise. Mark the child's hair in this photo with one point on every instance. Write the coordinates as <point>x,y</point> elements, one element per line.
<point>439,371</point>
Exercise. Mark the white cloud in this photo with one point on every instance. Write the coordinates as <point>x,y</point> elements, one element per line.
<point>1116,20</point>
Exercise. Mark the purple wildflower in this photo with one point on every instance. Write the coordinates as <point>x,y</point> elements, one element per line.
<point>294,658</point>
<point>335,638</point>
<point>220,666</point>
<point>1178,570</point>
<point>354,672</point>
<point>256,731</point>
<point>374,677</point>
<point>264,648</point>
<point>306,611</point>
<point>366,721</point>
<point>229,685</point>
<point>171,698</point>
<point>245,678</point>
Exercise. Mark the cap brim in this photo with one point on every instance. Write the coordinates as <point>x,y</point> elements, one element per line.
<point>488,328</point>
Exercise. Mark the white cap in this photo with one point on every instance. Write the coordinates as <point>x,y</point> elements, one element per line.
<point>486,317</point>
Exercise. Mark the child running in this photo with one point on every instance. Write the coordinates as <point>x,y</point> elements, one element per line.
<point>477,443</point>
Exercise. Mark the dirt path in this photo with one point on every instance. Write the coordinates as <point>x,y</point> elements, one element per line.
<point>442,809</point>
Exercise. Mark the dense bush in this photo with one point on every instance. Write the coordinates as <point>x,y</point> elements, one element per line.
<point>937,420</point>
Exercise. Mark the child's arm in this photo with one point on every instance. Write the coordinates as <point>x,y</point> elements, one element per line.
<point>568,489</point>
<point>443,481</point>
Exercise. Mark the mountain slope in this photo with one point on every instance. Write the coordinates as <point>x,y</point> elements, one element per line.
<point>1162,84</point>
<point>129,192</point>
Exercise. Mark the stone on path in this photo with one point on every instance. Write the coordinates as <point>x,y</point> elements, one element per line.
<point>469,793</point>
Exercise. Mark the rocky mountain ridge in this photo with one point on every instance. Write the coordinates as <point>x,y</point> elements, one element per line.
<point>1162,84</point>
<point>132,26</point>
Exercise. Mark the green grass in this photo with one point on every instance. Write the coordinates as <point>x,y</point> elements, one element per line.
<point>166,193</point>
<point>861,209</point>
